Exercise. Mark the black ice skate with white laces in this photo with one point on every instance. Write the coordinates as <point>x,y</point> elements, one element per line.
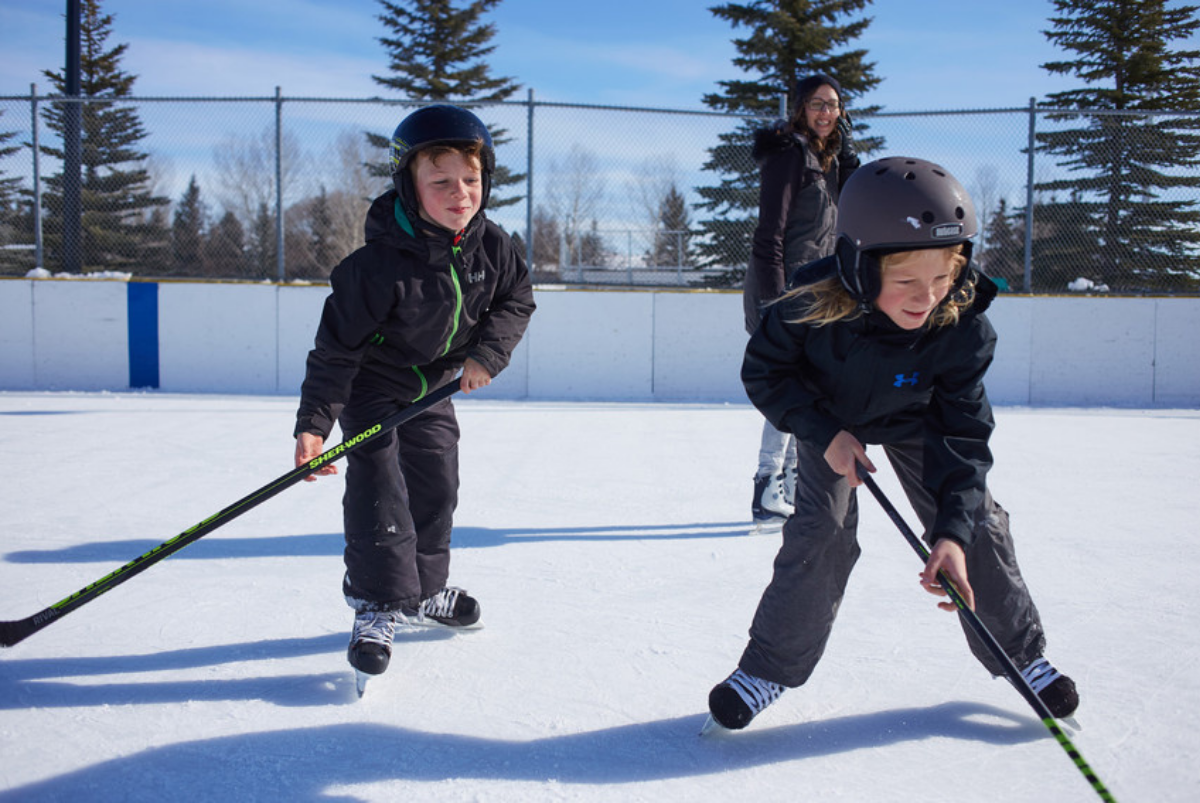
<point>738,699</point>
<point>450,607</point>
<point>770,507</point>
<point>370,649</point>
<point>1054,688</point>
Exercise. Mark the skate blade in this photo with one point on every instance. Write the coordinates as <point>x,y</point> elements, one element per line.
<point>360,682</point>
<point>712,727</point>
<point>434,624</point>
<point>1072,723</point>
<point>766,527</point>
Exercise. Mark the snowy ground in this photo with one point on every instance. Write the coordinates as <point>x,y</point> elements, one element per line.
<point>607,543</point>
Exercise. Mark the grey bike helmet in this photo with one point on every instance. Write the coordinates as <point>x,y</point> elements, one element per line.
<point>898,204</point>
<point>439,124</point>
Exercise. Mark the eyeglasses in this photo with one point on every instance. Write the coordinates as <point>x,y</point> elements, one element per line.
<point>818,105</point>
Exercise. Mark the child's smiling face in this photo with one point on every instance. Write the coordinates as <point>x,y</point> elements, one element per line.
<point>449,188</point>
<point>913,284</point>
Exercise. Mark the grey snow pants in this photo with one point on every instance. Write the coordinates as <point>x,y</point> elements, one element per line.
<point>820,547</point>
<point>398,507</point>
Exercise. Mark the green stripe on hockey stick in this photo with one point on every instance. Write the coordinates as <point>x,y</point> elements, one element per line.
<point>1010,669</point>
<point>12,632</point>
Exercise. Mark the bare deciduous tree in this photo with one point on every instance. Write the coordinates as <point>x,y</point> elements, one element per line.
<point>573,196</point>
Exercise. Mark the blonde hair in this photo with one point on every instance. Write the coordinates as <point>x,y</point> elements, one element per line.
<point>827,301</point>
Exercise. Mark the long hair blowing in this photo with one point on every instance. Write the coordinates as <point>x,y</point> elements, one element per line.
<point>827,301</point>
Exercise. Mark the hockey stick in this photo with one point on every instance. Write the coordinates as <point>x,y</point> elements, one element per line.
<point>17,630</point>
<point>976,624</point>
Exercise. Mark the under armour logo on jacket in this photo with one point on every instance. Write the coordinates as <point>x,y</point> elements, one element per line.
<point>902,380</point>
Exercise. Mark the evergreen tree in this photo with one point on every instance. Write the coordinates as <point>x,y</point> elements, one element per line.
<point>261,245</point>
<point>12,215</point>
<point>787,40</point>
<point>1003,258</point>
<point>436,53</point>
<point>311,237</point>
<point>323,238</point>
<point>225,248</point>
<point>118,226</point>
<point>1115,226</point>
<point>187,233</point>
<point>9,186</point>
<point>672,237</point>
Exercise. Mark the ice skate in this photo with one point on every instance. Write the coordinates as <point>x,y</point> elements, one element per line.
<point>770,508</point>
<point>370,649</point>
<point>1054,689</point>
<point>450,607</point>
<point>790,474</point>
<point>738,699</point>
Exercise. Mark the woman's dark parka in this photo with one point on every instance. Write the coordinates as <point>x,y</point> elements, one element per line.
<point>797,212</point>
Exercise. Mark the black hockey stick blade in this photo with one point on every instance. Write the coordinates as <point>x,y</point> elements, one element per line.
<point>12,632</point>
<point>976,624</point>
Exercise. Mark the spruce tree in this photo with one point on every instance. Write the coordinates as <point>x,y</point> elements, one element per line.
<point>13,230</point>
<point>225,248</point>
<point>10,185</point>
<point>786,41</point>
<point>261,245</point>
<point>1003,257</point>
<point>187,233</point>
<point>120,230</point>
<point>1120,221</point>
<point>436,53</point>
<point>672,237</point>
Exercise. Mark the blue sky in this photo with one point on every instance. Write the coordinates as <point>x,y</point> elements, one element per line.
<point>932,54</point>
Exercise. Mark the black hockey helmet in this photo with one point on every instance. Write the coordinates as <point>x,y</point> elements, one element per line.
<point>898,204</point>
<point>438,124</point>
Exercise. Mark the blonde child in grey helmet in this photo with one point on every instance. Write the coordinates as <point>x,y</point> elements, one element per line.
<point>886,342</point>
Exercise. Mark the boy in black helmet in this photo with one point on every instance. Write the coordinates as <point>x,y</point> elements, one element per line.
<point>885,342</point>
<point>436,289</point>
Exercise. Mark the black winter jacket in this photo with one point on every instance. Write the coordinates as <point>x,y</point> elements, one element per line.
<point>407,309</point>
<point>797,212</point>
<point>884,384</point>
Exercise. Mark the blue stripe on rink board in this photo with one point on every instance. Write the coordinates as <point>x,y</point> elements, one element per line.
<point>142,302</point>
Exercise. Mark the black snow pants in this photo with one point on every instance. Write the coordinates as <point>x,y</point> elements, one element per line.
<point>820,547</point>
<point>398,508</point>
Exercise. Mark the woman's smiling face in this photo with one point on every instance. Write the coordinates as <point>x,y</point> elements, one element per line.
<point>823,119</point>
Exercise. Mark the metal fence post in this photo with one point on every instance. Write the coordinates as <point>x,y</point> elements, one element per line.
<point>279,262</point>
<point>529,233</point>
<point>1029,197</point>
<point>72,185</point>
<point>38,254</point>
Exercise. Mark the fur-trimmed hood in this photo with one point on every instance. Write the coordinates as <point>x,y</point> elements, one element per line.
<point>773,140</point>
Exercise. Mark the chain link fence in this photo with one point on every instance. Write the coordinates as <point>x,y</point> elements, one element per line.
<point>275,189</point>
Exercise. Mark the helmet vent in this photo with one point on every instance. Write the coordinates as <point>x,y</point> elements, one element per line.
<point>910,176</point>
<point>927,216</point>
<point>959,212</point>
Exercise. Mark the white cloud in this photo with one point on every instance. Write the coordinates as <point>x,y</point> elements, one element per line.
<point>168,67</point>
